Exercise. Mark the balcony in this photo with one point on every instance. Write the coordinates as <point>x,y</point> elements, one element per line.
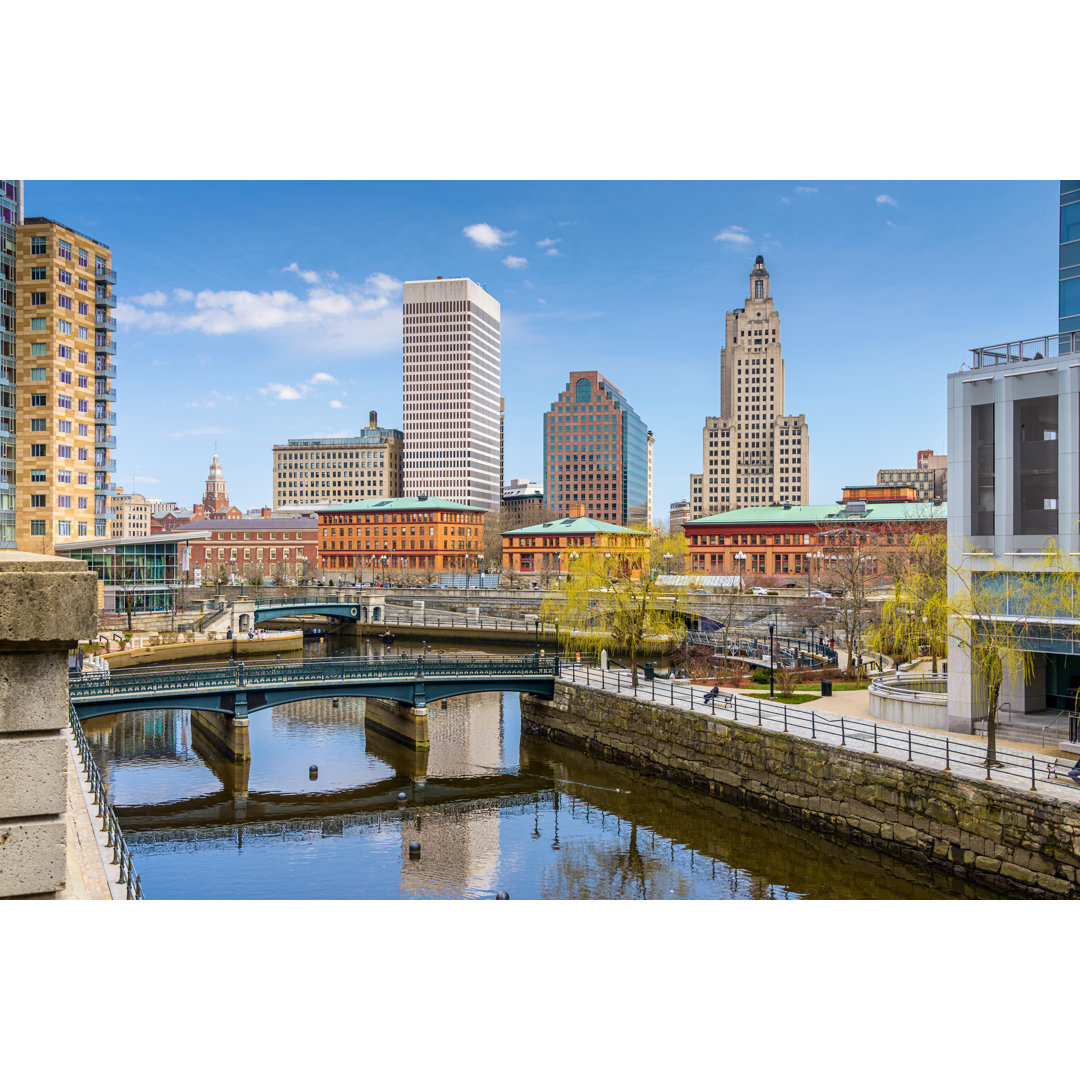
<point>105,465</point>
<point>104,417</point>
<point>105,322</point>
<point>103,367</point>
<point>102,299</point>
<point>1030,350</point>
<point>102,489</point>
<point>101,345</point>
<point>103,273</point>
<point>104,395</point>
<point>105,444</point>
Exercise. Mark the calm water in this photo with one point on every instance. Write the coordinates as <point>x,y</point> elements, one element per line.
<point>492,808</point>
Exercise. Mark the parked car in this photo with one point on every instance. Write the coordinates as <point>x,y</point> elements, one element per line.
<point>818,592</point>
<point>757,590</point>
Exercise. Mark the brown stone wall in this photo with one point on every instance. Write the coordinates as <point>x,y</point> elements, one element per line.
<point>1025,844</point>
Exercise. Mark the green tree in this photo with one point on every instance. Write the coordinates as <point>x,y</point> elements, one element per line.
<point>612,600</point>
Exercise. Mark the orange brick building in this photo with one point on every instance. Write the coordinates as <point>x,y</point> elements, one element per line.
<point>412,533</point>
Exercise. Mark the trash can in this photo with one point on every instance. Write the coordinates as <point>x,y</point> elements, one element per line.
<point>650,672</point>
<point>826,688</point>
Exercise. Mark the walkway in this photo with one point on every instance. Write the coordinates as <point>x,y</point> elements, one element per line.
<point>936,750</point>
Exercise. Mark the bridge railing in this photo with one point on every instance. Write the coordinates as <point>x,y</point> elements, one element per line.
<point>898,743</point>
<point>237,676</point>
<point>115,839</point>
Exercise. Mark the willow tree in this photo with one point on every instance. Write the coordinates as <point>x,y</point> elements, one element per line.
<point>612,599</point>
<point>1002,615</point>
<point>917,613</point>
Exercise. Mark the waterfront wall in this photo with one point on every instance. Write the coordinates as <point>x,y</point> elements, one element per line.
<point>223,649</point>
<point>47,605</point>
<point>1020,843</point>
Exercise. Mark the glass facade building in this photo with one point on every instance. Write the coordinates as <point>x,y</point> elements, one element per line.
<point>1069,257</point>
<point>10,218</point>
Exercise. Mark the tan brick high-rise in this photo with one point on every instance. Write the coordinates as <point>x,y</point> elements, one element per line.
<point>63,385</point>
<point>752,454</point>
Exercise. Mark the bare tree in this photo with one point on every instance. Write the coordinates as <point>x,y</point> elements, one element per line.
<point>253,576</point>
<point>851,568</point>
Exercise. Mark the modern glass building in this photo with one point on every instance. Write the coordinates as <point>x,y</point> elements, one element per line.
<point>10,216</point>
<point>1069,257</point>
<point>141,571</point>
<point>596,453</point>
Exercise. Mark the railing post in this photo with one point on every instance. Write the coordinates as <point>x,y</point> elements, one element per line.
<point>842,740</point>
<point>875,738</point>
<point>947,769</point>
<point>1032,772</point>
<point>813,725</point>
<point>785,719</point>
<point>759,712</point>
<point>909,745</point>
<point>672,691</point>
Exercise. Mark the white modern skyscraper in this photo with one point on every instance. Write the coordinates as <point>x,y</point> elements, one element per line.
<point>450,391</point>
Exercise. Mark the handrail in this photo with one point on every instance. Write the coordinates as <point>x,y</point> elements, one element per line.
<point>100,793</point>
<point>911,744</point>
<point>893,686</point>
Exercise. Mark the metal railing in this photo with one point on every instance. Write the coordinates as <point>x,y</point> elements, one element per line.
<point>911,687</point>
<point>792,652</point>
<point>1047,347</point>
<point>278,673</point>
<point>115,839</point>
<point>896,743</point>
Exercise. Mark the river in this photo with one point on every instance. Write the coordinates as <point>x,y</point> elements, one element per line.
<point>493,809</point>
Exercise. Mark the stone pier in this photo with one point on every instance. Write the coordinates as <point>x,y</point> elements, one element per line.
<point>47,605</point>
<point>405,724</point>
<point>227,735</point>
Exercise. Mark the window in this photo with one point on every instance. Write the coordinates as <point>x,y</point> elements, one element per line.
<point>63,249</point>
<point>38,298</point>
<point>82,405</point>
<point>63,427</point>
<point>37,449</point>
<point>63,476</point>
<point>63,528</point>
<point>63,451</point>
<point>37,527</point>
<point>64,326</point>
<point>38,399</point>
<point>63,502</point>
<point>38,348</point>
<point>64,352</point>
<point>84,260</point>
<point>39,323</point>
<point>84,308</point>
<point>37,245</point>
<point>84,285</point>
<point>82,357</point>
<point>37,476</point>
<point>1035,466</point>
<point>65,376</point>
<point>37,502</point>
<point>982,470</point>
<point>84,334</point>
<point>64,301</point>
<point>37,374</point>
<point>63,276</point>
<point>37,273</point>
<point>37,424</point>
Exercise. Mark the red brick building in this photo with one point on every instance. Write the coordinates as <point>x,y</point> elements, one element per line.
<point>238,543</point>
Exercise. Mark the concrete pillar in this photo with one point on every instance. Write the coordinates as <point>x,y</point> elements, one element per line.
<point>404,723</point>
<point>47,605</point>
<point>228,735</point>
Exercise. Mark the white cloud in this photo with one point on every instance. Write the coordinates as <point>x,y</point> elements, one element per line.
<point>515,262</point>
<point>548,242</point>
<point>189,432</point>
<point>146,479</point>
<point>150,299</point>
<point>322,377</point>
<point>283,392</point>
<point>734,234</point>
<point>350,316</point>
<point>335,404</point>
<point>892,224</point>
<point>540,301</point>
<point>806,191</point>
<point>552,251</point>
<point>886,199</point>
<point>785,200</point>
<point>310,276</point>
<point>487,236</point>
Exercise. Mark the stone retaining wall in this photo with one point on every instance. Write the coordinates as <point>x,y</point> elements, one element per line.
<point>1023,844</point>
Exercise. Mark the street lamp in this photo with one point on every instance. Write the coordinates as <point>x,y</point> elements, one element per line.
<point>382,578</point>
<point>740,560</point>
<point>772,658</point>
<point>558,568</point>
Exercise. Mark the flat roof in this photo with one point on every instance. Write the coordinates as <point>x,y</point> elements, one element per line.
<point>96,542</point>
<point>409,502</point>
<point>829,513</point>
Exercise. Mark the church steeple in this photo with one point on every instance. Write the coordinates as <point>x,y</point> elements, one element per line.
<point>216,497</point>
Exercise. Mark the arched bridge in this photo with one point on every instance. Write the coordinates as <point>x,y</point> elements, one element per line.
<point>239,689</point>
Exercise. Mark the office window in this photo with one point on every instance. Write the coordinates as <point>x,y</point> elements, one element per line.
<point>63,276</point>
<point>64,302</point>
<point>63,249</point>
<point>37,502</point>
<point>37,476</point>
<point>37,273</point>
<point>38,298</point>
<point>38,348</point>
<point>38,374</point>
<point>39,323</point>
<point>1035,466</point>
<point>38,399</point>
<point>37,245</point>
<point>64,326</point>
<point>37,424</point>
<point>63,528</point>
<point>84,259</point>
<point>84,308</point>
<point>37,449</point>
<point>982,470</point>
<point>37,527</point>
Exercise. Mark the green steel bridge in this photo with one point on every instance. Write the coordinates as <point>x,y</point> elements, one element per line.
<point>237,689</point>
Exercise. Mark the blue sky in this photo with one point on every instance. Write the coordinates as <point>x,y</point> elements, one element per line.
<point>254,312</point>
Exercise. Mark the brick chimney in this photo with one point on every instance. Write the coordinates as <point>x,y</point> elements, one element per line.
<point>576,510</point>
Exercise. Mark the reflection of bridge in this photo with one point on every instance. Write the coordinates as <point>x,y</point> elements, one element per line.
<point>238,689</point>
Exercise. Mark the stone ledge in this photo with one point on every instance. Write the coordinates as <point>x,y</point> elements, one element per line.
<point>33,776</point>
<point>45,601</point>
<point>34,857</point>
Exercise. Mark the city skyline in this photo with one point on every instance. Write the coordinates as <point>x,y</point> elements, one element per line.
<point>236,337</point>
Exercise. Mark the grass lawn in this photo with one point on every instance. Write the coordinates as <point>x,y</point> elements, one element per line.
<point>838,686</point>
<point>788,699</point>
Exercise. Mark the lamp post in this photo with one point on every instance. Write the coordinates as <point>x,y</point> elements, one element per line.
<point>558,568</point>
<point>772,658</point>
<point>740,561</point>
<point>667,563</point>
<point>382,580</point>
<point>572,557</point>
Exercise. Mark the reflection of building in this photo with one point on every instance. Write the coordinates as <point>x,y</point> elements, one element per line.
<point>64,378</point>
<point>596,452</point>
<point>326,471</point>
<point>457,849</point>
<point>140,573</point>
<point>450,391</point>
<point>752,454</point>
<point>553,545</point>
<point>1069,257</point>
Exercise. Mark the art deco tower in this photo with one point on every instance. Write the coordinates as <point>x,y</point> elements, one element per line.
<point>752,454</point>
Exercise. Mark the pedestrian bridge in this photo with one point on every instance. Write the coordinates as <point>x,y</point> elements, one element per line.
<point>237,689</point>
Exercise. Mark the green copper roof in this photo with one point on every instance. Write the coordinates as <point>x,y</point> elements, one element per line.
<point>829,514</point>
<point>410,502</point>
<point>570,527</point>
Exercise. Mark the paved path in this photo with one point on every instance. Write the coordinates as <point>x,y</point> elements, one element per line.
<point>90,873</point>
<point>965,755</point>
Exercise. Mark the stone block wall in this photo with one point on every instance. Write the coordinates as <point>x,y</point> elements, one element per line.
<point>1019,843</point>
<point>47,605</point>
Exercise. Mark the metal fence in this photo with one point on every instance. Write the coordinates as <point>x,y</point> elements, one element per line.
<point>903,744</point>
<point>115,839</point>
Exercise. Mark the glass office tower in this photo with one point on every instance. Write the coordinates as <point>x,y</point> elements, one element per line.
<point>1069,257</point>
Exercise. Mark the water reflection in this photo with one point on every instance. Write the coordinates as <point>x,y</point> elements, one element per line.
<point>491,808</point>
